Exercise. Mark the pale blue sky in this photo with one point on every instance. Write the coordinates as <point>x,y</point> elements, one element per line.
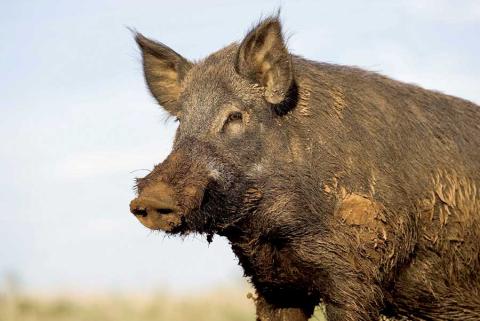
<point>76,119</point>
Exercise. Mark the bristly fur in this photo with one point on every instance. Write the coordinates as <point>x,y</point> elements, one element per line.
<point>335,185</point>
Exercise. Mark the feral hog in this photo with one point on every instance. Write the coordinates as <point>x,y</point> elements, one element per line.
<point>332,184</point>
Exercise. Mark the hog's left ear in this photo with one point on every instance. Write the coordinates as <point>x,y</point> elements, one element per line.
<point>264,58</point>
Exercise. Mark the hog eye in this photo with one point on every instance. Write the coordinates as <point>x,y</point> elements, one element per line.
<point>177,119</point>
<point>233,122</point>
<point>233,117</point>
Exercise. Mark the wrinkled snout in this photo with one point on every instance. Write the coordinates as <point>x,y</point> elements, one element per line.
<point>156,208</point>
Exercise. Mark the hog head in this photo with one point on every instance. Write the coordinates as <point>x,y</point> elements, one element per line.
<point>228,107</point>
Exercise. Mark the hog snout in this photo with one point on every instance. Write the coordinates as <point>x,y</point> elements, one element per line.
<point>156,208</point>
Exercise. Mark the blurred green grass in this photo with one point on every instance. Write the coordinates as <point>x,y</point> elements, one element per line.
<point>222,304</point>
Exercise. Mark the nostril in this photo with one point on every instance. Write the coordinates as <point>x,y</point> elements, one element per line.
<point>140,211</point>
<point>164,210</point>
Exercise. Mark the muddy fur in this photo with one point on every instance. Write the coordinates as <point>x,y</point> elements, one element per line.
<point>332,184</point>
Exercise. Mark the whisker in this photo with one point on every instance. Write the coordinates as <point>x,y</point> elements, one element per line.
<point>141,169</point>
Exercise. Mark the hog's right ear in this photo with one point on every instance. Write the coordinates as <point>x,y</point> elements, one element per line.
<point>164,71</point>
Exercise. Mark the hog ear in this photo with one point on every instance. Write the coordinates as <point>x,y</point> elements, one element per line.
<point>264,58</point>
<point>164,71</point>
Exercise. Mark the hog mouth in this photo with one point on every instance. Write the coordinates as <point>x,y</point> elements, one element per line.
<point>197,217</point>
<point>212,212</point>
